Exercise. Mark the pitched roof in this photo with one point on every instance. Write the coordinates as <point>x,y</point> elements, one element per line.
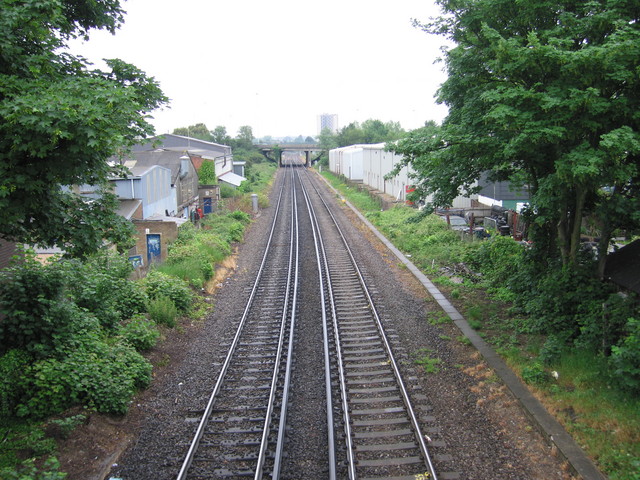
<point>165,158</point>
<point>169,140</point>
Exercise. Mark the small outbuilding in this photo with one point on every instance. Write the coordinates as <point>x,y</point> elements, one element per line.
<point>623,267</point>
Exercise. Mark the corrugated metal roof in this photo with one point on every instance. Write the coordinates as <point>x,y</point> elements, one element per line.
<point>169,140</point>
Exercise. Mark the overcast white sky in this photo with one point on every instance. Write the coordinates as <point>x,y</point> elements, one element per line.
<point>276,65</point>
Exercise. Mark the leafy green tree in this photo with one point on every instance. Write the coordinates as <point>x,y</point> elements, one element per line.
<point>199,130</point>
<point>244,138</point>
<point>61,121</point>
<point>371,131</point>
<point>219,135</point>
<point>327,139</point>
<point>352,134</point>
<point>375,131</point>
<point>545,95</point>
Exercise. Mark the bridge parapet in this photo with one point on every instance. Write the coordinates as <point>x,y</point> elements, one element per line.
<point>307,148</point>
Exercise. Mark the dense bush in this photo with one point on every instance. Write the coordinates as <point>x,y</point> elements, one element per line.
<point>40,300</point>
<point>160,284</point>
<point>12,365</point>
<point>29,471</point>
<point>56,336</point>
<point>230,226</point>
<point>497,257</point>
<point>140,332</point>
<point>227,191</point>
<point>101,285</point>
<point>625,358</point>
<point>29,296</point>
<point>98,374</point>
<point>242,217</point>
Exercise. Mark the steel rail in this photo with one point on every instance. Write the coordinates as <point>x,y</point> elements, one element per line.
<point>405,396</point>
<point>182,474</point>
<point>287,379</point>
<point>326,280</point>
<point>292,280</point>
<point>317,242</point>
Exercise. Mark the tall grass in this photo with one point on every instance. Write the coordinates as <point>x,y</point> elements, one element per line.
<point>192,257</point>
<point>606,422</point>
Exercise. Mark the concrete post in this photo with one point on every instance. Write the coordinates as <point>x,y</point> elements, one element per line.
<point>254,202</point>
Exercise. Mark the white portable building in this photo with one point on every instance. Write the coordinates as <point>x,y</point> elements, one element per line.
<point>347,161</point>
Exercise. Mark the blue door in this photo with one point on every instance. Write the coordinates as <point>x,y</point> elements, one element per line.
<point>153,248</point>
<point>208,206</point>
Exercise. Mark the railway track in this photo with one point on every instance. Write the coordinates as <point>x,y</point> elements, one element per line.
<point>383,438</point>
<point>239,434</point>
<point>371,428</point>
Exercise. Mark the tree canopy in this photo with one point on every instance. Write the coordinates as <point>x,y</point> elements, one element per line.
<point>545,95</point>
<point>199,130</point>
<point>60,121</point>
<point>220,135</point>
<point>370,131</point>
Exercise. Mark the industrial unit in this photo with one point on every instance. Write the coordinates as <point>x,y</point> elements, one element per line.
<point>369,163</point>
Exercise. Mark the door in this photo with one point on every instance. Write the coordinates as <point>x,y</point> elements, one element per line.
<point>153,248</point>
<point>208,205</point>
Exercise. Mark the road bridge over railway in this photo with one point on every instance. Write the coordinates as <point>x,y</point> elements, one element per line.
<point>274,152</point>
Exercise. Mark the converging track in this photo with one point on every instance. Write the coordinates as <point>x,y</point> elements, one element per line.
<point>371,429</point>
<point>241,420</point>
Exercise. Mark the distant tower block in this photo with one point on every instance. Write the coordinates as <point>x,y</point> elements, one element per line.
<point>328,120</point>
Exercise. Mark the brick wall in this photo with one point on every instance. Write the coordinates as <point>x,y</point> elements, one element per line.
<point>168,232</point>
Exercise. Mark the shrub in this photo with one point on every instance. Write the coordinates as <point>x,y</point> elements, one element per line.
<point>497,258</point>
<point>625,358</point>
<point>535,374</point>
<point>227,191</point>
<point>606,322</point>
<point>159,284</point>
<point>139,332</point>
<point>39,301</point>
<point>101,285</point>
<point>12,364</point>
<point>229,228</point>
<point>240,216</point>
<point>28,471</point>
<point>28,292</point>
<point>98,375</point>
<point>561,300</point>
<point>551,350</point>
<point>163,311</point>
